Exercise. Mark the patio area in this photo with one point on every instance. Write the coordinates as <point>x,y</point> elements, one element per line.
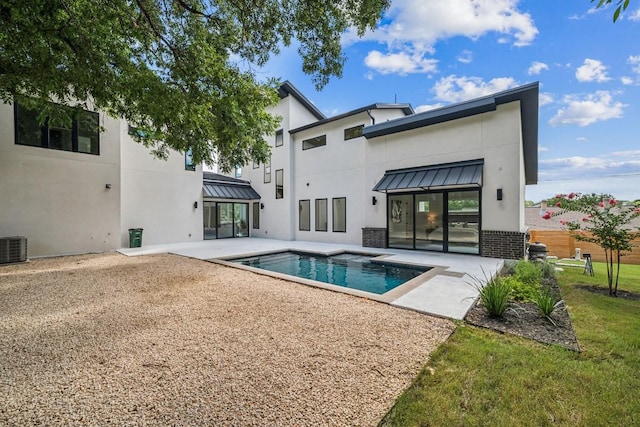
<point>447,291</point>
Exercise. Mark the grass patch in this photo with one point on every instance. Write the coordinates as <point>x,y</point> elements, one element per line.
<point>479,377</point>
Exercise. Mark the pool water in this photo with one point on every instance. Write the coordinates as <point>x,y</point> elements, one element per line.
<point>349,270</point>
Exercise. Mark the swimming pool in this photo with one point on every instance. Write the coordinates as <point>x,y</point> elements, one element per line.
<point>349,270</point>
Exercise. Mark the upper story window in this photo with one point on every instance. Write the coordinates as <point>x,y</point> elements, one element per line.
<point>238,173</point>
<point>189,165</point>
<point>81,136</point>
<point>279,184</point>
<point>353,132</point>
<point>267,171</point>
<point>279,138</point>
<point>318,141</point>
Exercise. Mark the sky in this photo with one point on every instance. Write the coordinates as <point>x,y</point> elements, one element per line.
<point>432,53</point>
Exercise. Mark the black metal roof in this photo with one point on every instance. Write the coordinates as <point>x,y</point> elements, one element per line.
<point>225,187</point>
<point>287,88</point>
<point>407,109</point>
<point>527,95</point>
<point>449,175</point>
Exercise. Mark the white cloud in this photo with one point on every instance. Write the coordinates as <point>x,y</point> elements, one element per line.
<point>582,139</point>
<point>400,63</point>
<point>592,108</point>
<point>545,98</point>
<point>542,149</point>
<point>368,75</point>
<point>427,107</point>
<point>466,57</point>
<point>536,67</point>
<point>626,80</point>
<point>635,62</point>
<point>592,70</point>
<point>635,15</point>
<point>456,89</point>
<point>413,27</point>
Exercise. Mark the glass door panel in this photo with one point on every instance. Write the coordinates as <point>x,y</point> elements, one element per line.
<point>400,220</point>
<point>464,222</point>
<point>209,209</point>
<point>429,213</point>
<point>225,220</point>
<point>241,219</point>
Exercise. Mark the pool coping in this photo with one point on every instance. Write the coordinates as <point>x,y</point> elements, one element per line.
<point>388,297</point>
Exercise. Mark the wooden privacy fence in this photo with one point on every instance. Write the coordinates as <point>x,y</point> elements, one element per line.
<point>562,244</point>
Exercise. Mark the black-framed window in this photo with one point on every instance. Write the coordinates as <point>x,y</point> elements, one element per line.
<point>321,214</point>
<point>238,172</point>
<point>81,136</point>
<point>256,215</point>
<point>315,142</point>
<point>304,220</point>
<point>339,217</point>
<point>267,171</point>
<point>353,132</point>
<point>256,165</point>
<point>279,138</point>
<point>279,183</point>
<point>189,165</point>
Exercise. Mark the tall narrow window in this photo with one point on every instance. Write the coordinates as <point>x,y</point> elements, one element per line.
<point>238,171</point>
<point>256,165</point>
<point>279,138</point>
<point>256,215</point>
<point>340,214</point>
<point>188,161</point>
<point>321,214</point>
<point>267,171</point>
<point>304,209</point>
<point>279,184</point>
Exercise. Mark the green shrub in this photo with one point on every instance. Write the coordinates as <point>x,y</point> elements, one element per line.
<point>521,291</point>
<point>495,296</point>
<point>528,272</point>
<point>548,269</point>
<point>546,301</point>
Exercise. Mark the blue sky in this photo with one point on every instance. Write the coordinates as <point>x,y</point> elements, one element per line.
<point>431,53</point>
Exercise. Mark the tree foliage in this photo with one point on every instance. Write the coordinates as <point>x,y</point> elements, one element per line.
<point>183,71</point>
<point>604,223</point>
<point>621,5</point>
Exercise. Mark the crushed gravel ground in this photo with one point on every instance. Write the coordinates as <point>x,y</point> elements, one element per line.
<point>166,340</point>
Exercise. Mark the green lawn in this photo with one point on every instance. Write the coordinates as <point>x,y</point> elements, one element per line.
<point>482,378</point>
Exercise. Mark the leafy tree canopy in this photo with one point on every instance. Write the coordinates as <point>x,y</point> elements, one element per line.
<point>182,71</point>
<point>621,5</point>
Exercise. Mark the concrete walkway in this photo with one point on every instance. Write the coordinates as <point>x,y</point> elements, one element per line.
<point>448,292</point>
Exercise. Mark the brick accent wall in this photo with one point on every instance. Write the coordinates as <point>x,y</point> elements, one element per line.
<point>503,244</point>
<point>373,237</point>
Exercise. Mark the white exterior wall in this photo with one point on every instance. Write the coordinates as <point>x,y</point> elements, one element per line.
<point>494,136</point>
<point>58,199</point>
<point>158,195</point>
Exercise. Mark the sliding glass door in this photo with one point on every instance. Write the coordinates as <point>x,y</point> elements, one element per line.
<point>447,221</point>
<point>225,219</point>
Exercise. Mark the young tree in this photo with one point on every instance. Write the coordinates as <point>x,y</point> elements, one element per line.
<point>182,71</point>
<point>604,223</point>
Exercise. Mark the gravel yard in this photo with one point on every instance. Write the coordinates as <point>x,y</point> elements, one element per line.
<point>167,340</point>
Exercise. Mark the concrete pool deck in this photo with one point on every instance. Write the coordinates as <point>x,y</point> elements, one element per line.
<point>447,291</point>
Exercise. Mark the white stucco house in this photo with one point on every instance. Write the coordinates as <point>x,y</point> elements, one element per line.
<point>447,180</point>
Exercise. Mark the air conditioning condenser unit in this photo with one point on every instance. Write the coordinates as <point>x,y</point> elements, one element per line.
<point>13,249</point>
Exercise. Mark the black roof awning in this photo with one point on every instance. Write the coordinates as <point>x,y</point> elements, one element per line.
<point>450,175</point>
<point>229,191</point>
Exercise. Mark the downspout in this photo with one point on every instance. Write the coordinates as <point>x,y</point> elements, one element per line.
<point>373,119</point>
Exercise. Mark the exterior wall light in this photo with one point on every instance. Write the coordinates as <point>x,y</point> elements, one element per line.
<point>107,186</point>
<point>499,194</point>
<point>195,205</point>
<point>374,200</point>
<point>261,205</point>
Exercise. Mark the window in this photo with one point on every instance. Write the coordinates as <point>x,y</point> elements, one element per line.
<point>81,136</point>
<point>305,215</point>
<point>318,141</point>
<point>353,132</point>
<point>256,165</point>
<point>321,214</point>
<point>267,171</point>
<point>238,173</point>
<point>279,138</point>
<point>279,184</point>
<point>256,215</point>
<point>188,161</point>
<point>340,215</point>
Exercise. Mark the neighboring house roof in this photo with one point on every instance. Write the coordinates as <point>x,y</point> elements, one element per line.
<point>225,187</point>
<point>534,221</point>
<point>527,95</point>
<point>407,109</point>
<point>288,89</point>
<point>450,175</point>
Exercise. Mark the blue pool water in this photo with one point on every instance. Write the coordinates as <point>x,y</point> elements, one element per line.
<point>349,270</point>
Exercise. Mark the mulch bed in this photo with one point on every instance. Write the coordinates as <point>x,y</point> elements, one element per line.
<point>524,320</point>
<point>605,291</point>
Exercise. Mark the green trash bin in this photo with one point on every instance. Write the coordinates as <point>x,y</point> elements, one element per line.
<point>135,237</point>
